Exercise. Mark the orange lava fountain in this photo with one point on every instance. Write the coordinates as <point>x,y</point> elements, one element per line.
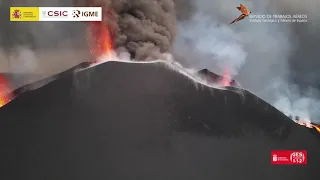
<point>5,91</point>
<point>99,39</point>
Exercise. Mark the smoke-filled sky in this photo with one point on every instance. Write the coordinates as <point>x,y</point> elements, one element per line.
<point>278,61</point>
<point>39,48</point>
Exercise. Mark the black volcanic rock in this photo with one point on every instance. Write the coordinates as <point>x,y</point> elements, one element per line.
<point>17,79</point>
<point>122,121</point>
<point>214,78</point>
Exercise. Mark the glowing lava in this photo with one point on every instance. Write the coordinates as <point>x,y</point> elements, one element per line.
<point>226,78</point>
<point>308,124</point>
<point>316,127</point>
<point>5,91</point>
<point>99,39</point>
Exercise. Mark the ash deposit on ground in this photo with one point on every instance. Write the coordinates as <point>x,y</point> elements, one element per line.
<point>149,122</point>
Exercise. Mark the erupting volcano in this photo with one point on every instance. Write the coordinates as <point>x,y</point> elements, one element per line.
<point>5,91</point>
<point>223,80</point>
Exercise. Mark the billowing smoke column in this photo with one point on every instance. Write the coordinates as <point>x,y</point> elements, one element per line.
<point>143,28</point>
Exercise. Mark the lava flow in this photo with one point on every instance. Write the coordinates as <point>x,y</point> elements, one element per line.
<point>317,127</point>
<point>308,124</point>
<point>226,78</point>
<point>99,39</point>
<point>5,91</point>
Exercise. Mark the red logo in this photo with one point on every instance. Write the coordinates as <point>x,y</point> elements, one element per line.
<point>16,14</point>
<point>289,157</point>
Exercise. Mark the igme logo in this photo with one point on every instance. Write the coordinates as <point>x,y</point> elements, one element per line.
<point>78,13</point>
<point>90,13</point>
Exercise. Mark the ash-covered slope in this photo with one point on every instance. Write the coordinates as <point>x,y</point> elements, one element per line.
<point>143,121</point>
<point>18,81</point>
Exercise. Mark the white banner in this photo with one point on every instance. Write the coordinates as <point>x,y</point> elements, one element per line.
<point>70,14</point>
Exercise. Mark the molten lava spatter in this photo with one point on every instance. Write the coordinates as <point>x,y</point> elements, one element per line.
<point>99,39</point>
<point>5,91</point>
<point>226,78</point>
<point>317,127</point>
<point>308,124</point>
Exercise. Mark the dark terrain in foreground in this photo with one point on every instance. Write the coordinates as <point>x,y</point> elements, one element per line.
<point>122,121</point>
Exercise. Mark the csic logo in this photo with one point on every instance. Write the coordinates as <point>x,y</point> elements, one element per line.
<point>55,13</point>
<point>78,13</point>
<point>16,14</point>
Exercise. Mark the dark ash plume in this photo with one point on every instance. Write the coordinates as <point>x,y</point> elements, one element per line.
<point>184,9</point>
<point>144,28</point>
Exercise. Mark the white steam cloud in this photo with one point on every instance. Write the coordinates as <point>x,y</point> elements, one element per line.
<point>290,100</point>
<point>32,51</point>
<point>23,60</point>
<point>257,54</point>
<point>220,44</point>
